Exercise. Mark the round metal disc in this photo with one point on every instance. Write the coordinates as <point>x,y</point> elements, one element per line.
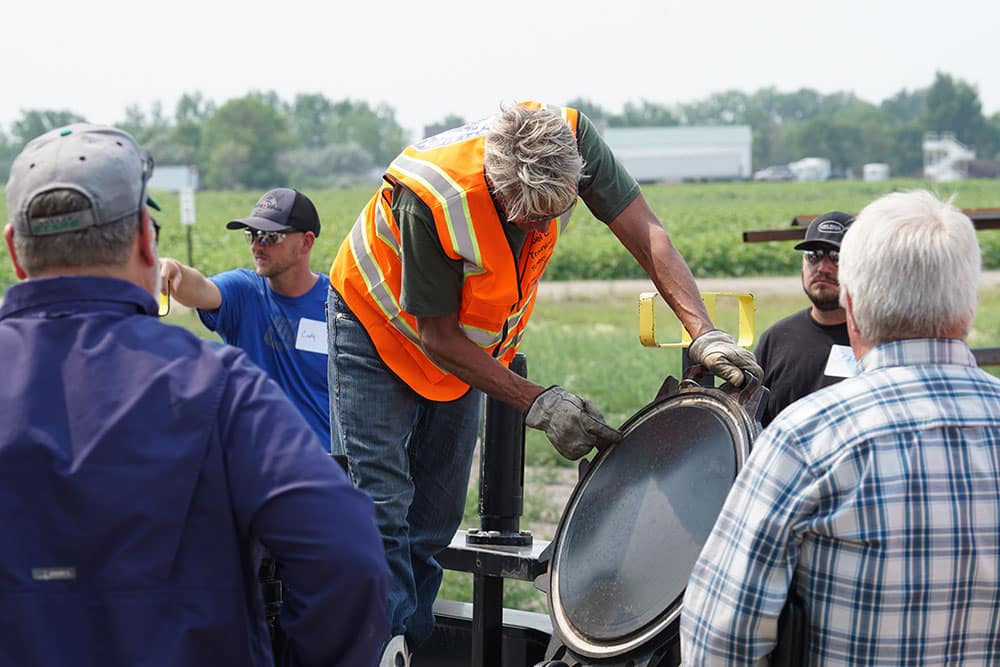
<point>640,519</point>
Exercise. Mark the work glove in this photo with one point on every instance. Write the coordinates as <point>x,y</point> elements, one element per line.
<point>572,423</point>
<point>718,352</point>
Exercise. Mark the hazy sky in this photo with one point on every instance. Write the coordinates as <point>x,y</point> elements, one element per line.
<point>434,57</point>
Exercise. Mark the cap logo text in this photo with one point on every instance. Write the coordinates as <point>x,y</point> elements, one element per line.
<point>55,224</point>
<point>830,227</point>
<point>268,203</point>
<point>53,573</point>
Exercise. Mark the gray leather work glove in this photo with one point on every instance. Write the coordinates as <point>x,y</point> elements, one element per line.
<point>719,353</point>
<point>572,423</point>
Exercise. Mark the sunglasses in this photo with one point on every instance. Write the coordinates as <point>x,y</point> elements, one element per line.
<point>816,256</point>
<point>545,217</point>
<point>267,239</point>
<point>525,219</point>
<point>156,229</point>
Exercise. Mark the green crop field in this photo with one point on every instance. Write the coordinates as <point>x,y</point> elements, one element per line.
<point>591,347</point>
<point>705,221</point>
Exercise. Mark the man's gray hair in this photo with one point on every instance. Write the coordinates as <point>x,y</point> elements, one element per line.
<point>911,264</point>
<point>105,245</point>
<point>532,159</point>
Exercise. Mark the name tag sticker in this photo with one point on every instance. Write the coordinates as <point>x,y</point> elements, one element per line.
<point>841,362</point>
<point>311,336</point>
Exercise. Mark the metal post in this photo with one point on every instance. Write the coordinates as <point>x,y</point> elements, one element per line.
<point>487,621</point>
<point>190,254</point>
<point>501,473</point>
<point>501,502</point>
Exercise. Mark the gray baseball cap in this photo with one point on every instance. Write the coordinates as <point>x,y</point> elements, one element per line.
<point>103,164</point>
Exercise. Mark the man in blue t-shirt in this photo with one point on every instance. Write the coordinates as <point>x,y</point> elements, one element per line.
<point>275,313</point>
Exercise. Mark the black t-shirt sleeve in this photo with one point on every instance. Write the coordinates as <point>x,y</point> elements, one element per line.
<point>606,187</point>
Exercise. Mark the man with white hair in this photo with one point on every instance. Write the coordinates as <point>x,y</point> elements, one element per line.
<point>430,296</point>
<point>874,501</point>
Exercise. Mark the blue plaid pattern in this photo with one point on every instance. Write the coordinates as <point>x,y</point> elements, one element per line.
<point>878,498</point>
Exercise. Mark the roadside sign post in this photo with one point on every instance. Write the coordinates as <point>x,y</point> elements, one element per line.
<point>188,217</point>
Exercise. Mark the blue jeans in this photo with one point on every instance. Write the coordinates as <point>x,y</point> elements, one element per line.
<point>411,454</point>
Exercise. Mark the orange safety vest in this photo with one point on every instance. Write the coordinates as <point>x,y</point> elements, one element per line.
<point>498,290</point>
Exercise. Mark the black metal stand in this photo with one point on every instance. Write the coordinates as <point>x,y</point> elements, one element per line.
<point>499,548</point>
<point>489,567</point>
<point>487,621</point>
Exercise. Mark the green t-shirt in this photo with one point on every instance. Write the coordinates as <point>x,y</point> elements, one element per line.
<point>432,281</point>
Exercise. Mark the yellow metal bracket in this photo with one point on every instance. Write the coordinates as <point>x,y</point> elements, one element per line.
<point>746,318</point>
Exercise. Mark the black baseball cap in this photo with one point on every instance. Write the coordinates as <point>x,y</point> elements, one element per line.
<point>826,230</point>
<point>278,210</point>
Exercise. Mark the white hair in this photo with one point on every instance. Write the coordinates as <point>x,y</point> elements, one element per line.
<point>910,263</point>
<point>531,157</point>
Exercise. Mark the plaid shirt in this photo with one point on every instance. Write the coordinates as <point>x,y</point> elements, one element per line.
<point>877,498</point>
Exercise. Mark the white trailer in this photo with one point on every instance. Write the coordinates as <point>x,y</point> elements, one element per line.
<point>683,153</point>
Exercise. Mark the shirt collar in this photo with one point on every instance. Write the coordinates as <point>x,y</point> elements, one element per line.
<point>918,352</point>
<point>78,294</point>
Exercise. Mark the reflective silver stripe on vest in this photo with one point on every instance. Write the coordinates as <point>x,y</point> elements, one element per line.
<point>375,279</point>
<point>454,204</point>
<point>514,320</point>
<point>515,343</point>
<point>382,229</point>
<point>484,338</point>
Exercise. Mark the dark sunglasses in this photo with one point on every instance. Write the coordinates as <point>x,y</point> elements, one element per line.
<point>156,229</point>
<point>525,219</point>
<point>534,219</point>
<point>816,256</point>
<point>267,238</point>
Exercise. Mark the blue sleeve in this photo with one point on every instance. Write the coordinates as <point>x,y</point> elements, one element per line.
<point>236,288</point>
<point>290,495</point>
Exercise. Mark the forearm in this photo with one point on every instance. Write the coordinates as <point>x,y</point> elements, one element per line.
<point>189,287</point>
<point>445,344</point>
<point>640,231</point>
<point>675,283</point>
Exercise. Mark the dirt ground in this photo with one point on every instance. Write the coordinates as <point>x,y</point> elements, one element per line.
<point>584,290</point>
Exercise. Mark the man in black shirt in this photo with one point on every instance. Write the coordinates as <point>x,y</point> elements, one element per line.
<point>810,350</point>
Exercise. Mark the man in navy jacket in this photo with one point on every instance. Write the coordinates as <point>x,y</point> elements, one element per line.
<point>143,471</point>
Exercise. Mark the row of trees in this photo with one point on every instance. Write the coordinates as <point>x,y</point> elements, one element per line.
<point>255,141</point>
<point>840,126</point>
<point>258,141</point>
